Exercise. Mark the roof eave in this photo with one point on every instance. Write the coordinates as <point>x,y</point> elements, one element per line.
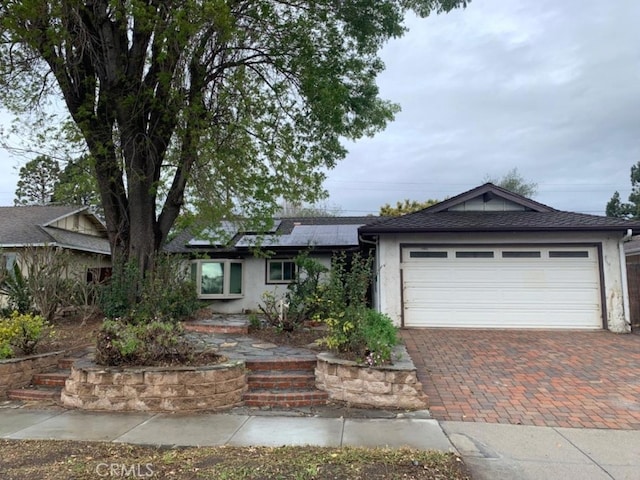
<point>495,229</point>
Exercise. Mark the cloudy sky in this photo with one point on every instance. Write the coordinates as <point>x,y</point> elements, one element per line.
<point>549,87</point>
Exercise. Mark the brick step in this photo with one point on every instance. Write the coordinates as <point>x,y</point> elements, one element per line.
<point>52,379</point>
<point>42,393</point>
<point>282,364</point>
<point>240,329</point>
<point>66,363</point>
<point>285,398</point>
<point>276,380</point>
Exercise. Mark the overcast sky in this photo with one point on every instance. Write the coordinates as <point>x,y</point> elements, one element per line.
<point>547,86</point>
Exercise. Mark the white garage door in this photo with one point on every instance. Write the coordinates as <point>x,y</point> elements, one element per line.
<point>501,287</point>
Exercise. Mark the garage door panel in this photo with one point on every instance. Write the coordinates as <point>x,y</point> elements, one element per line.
<point>534,292</point>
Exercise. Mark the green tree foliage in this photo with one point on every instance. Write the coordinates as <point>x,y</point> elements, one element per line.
<point>631,209</point>
<point>76,184</point>
<point>402,208</point>
<point>221,104</point>
<point>514,182</point>
<point>36,181</point>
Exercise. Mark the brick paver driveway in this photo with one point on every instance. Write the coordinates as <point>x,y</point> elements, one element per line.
<point>553,378</point>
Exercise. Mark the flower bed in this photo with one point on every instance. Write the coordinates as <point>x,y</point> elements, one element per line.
<point>17,372</point>
<point>170,389</point>
<point>386,386</point>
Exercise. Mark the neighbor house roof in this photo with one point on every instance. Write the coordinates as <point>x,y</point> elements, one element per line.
<point>34,225</point>
<point>520,214</point>
<point>285,234</point>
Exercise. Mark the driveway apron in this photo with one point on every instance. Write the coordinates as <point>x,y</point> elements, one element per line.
<point>529,377</point>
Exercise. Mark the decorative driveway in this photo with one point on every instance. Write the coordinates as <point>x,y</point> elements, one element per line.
<point>551,378</point>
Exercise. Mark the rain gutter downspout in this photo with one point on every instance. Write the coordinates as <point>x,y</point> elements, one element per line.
<point>623,270</point>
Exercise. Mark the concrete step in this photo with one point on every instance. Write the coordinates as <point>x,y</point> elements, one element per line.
<point>41,393</point>
<point>51,379</point>
<point>285,398</point>
<point>283,364</point>
<point>276,380</point>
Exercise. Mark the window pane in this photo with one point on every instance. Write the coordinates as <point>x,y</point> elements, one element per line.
<point>569,254</point>
<point>212,282</point>
<point>474,254</point>
<point>235,278</point>
<point>275,271</point>
<point>520,254</point>
<point>419,254</point>
<point>289,271</point>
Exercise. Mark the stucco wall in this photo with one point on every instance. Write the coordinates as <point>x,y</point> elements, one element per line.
<point>255,284</point>
<point>388,295</point>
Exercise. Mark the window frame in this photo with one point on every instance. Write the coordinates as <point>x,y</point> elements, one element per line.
<point>226,278</point>
<point>282,261</point>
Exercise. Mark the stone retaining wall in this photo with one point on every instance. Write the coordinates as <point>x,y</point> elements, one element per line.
<point>171,389</point>
<point>389,386</point>
<point>17,372</point>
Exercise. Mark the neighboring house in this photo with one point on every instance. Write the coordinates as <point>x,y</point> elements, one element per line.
<point>233,272</point>
<point>632,251</point>
<point>489,258</point>
<point>72,228</point>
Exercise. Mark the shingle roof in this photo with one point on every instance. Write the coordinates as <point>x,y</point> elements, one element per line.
<point>29,225</point>
<point>443,217</point>
<point>423,221</point>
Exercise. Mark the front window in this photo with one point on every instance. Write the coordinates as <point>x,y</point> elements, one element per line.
<point>218,278</point>
<point>281,271</point>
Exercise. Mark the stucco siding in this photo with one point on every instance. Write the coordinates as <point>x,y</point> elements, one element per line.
<point>254,285</point>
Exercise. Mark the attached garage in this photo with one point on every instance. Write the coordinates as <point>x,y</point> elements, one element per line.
<point>537,286</point>
<point>489,258</point>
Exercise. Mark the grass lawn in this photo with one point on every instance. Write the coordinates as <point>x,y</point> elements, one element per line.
<point>50,459</point>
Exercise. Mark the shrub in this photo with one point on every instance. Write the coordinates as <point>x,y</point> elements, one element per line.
<point>157,342</point>
<point>301,301</point>
<point>164,293</point>
<point>14,285</point>
<point>363,334</point>
<point>23,331</point>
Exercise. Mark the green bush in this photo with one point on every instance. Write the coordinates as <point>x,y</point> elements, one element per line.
<point>15,286</point>
<point>23,331</point>
<point>165,293</point>
<point>124,343</point>
<point>364,334</point>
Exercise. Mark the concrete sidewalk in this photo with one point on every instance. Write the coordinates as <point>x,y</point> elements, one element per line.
<point>222,429</point>
<point>490,451</point>
<point>504,452</point>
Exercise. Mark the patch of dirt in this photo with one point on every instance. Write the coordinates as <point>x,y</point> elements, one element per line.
<point>49,460</point>
<point>71,332</point>
<point>301,337</point>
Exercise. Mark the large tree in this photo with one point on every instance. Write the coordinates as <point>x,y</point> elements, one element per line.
<point>514,182</point>
<point>631,209</point>
<point>36,181</point>
<point>76,184</point>
<point>407,206</point>
<point>244,101</point>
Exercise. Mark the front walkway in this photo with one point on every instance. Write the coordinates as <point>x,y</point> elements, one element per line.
<point>547,378</point>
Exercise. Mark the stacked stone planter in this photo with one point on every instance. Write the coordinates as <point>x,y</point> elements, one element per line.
<point>169,389</point>
<point>18,372</point>
<point>388,386</point>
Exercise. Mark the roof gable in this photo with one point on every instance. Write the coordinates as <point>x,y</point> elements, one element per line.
<point>67,226</point>
<point>488,198</point>
<point>489,208</point>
